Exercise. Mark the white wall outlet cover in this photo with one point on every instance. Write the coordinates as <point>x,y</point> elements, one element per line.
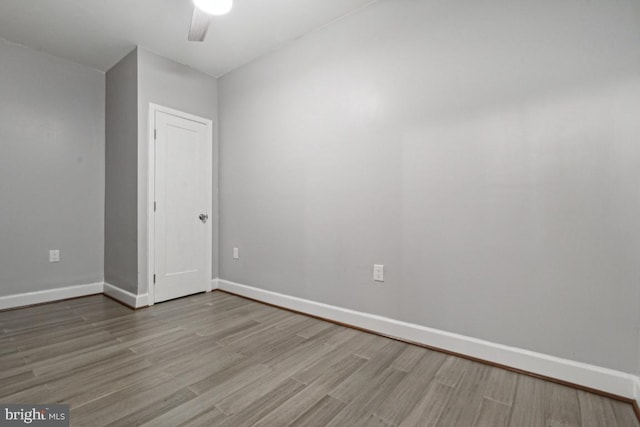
<point>54,255</point>
<point>378,272</point>
<point>236,253</point>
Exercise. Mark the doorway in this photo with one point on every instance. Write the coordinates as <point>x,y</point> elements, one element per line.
<point>180,172</point>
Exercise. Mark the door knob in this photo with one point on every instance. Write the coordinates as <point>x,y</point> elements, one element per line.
<point>203,217</point>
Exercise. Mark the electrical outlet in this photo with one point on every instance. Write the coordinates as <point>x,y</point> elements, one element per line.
<point>378,272</point>
<point>54,255</point>
<point>236,253</point>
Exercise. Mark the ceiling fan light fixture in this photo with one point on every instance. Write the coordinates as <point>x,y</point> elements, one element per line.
<point>214,7</point>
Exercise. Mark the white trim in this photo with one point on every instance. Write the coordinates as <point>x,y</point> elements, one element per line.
<point>50,295</point>
<point>215,284</point>
<point>153,108</point>
<point>151,191</point>
<point>603,379</point>
<point>126,297</point>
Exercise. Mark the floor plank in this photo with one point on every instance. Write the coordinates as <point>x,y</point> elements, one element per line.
<point>501,386</point>
<point>562,406</point>
<point>528,406</point>
<point>596,410</point>
<point>624,416</point>
<point>427,413</point>
<point>265,404</point>
<point>411,389</point>
<point>467,398</point>
<point>321,413</point>
<point>492,414</point>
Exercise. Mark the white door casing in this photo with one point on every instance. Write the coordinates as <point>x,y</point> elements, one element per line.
<point>180,172</point>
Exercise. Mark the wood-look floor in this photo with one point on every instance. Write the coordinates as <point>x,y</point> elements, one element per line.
<point>220,360</point>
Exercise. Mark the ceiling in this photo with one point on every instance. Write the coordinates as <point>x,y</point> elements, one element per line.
<point>99,33</point>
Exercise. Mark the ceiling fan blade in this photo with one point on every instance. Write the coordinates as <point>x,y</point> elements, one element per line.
<point>199,25</point>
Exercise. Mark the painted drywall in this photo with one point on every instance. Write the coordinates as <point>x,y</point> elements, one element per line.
<point>170,84</point>
<point>51,171</point>
<point>485,152</point>
<point>121,178</point>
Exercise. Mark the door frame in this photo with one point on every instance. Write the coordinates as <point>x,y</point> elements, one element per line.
<point>151,187</point>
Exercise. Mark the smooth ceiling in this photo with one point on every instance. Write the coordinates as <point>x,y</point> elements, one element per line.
<point>98,33</point>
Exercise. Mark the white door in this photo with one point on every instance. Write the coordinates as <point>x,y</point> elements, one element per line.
<point>182,192</point>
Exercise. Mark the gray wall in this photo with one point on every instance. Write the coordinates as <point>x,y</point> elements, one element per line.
<point>121,190</point>
<point>485,152</point>
<point>170,84</point>
<point>51,171</point>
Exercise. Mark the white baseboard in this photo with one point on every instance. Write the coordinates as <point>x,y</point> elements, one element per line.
<point>215,284</point>
<point>126,297</point>
<point>50,295</point>
<point>583,374</point>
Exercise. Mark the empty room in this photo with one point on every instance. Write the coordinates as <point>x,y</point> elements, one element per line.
<point>320,213</point>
